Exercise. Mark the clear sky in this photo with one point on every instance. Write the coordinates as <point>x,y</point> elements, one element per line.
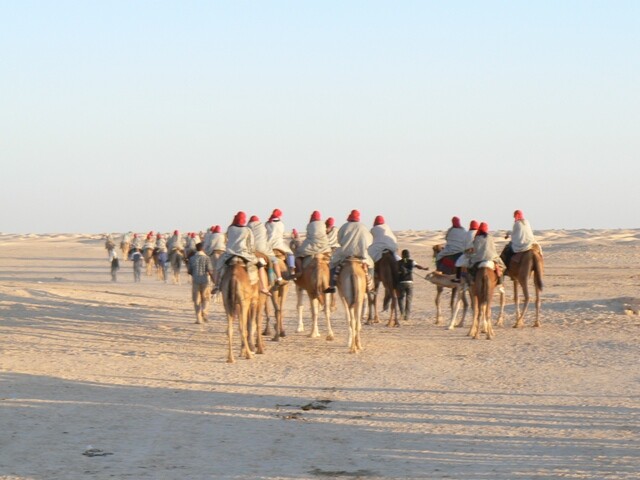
<point>155,115</point>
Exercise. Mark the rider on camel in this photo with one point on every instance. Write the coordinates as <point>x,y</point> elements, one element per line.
<point>484,250</point>
<point>354,239</point>
<point>463,260</point>
<point>314,243</point>
<point>275,235</point>
<point>456,241</point>
<point>241,243</point>
<point>383,239</point>
<point>262,245</point>
<point>522,238</point>
<point>332,233</point>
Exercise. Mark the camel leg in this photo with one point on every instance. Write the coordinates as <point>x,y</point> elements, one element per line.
<point>393,318</point>
<point>456,308</point>
<point>466,295</point>
<point>257,319</point>
<point>300,310</point>
<point>500,321</point>
<point>267,327</point>
<point>315,332</point>
<point>487,320</point>
<point>244,324</point>
<point>358,326</point>
<point>438,295</point>
<point>230,358</point>
<point>474,330</point>
<point>327,316</point>
<point>538,303</point>
<point>516,302</point>
<point>523,311</point>
<point>353,333</point>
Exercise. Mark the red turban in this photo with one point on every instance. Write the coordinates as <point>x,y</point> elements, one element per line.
<point>330,222</point>
<point>217,229</point>
<point>473,225</point>
<point>276,213</point>
<point>294,233</point>
<point>254,218</point>
<point>354,216</point>
<point>518,215</point>
<point>159,235</point>
<point>483,228</point>
<point>212,229</point>
<point>378,221</point>
<point>240,219</point>
<point>315,216</point>
<point>455,222</point>
<point>176,232</point>
<point>149,235</point>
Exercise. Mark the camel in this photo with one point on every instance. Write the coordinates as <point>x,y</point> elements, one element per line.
<point>214,256</point>
<point>385,272</point>
<point>278,297</point>
<point>240,300</point>
<point>442,279</point>
<point>459,292</point>
<point>315,280</point>
<point>176,259</point>
<point>482,287</point>
<point>520,267</point>
<point>147,255</point>
<point>352,286</point>
<point>125,247</point>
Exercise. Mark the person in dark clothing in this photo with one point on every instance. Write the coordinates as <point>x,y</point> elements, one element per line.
<point>405,282</point>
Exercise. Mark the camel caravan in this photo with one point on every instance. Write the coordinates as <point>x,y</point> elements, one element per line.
<point>251,267</point>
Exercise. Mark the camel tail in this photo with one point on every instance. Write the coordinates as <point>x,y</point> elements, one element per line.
<point>486,295</point>
<point>538,271</point>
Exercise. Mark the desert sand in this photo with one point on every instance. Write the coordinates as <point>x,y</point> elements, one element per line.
<point>121,368</point>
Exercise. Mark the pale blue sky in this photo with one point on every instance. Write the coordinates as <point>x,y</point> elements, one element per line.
<point>150,115</point>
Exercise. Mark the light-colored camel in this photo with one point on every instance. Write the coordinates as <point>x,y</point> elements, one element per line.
<point>521,266</point>
<point>125,247</point>
<point>459,293</point>
<point>352,286</point>
<point>385,273</point>
<point>443,279</point>
<point>240,300</point>
<point>482,287</point>
<point>315,280</point>
<point>147,255</point>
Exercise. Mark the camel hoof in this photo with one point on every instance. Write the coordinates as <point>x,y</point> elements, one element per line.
<point>230,360</point>
<point>537,324</point>
<point>518,325</point>
<point>451,327</point>
<point>275,338</point>
<point>329,338</point>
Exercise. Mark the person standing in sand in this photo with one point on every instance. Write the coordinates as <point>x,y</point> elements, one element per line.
<point>405,282</point>
<point>115,266</point>
<point>137,259</point>
<point>201,270</point>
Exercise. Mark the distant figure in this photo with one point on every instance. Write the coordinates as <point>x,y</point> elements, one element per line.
<point>464,260</point>
<point>484,250</point>
<point>405,283</point>
<point>456,241</point>
<point>383,239</point>
<point>314,243</point>
<point>201,270</point>
<point>115,266</point>
<point>110,246</point>
<point>275,236</point>
<point>332,233</point>
<point>138,260</point>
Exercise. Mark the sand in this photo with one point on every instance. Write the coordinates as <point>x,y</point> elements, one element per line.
<point>121,369</point>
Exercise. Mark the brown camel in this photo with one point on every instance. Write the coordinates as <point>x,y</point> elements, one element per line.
<point>482,287</point>
<point>442,279</point>
<point>315,280</point>
<point>240,300</point>
<point>520,267</point>
<point>352,285</point>
<point>385,272</point>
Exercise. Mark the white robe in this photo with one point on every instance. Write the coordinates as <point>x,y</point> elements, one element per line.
<point>354,239</point>
<point>522,238</point>
<point>275,233</point>
<point>456,242</point>
<point>261,238</point>
<point>316,240</point>
<point>383,239</point>
<point>332,236</point>
<point>240,243</point>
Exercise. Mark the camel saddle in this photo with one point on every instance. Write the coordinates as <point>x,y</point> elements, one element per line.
<point>320,256</point>
<point>252,269</point>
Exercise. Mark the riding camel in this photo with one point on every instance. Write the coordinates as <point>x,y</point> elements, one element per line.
<point>385,272</point>
<point>352,286</point>
<point>482,287</point>
<point>520,267</point>
<point>315,280</point>
<point>240,300</point>
<point>443,278</point>
<point>147,255</point>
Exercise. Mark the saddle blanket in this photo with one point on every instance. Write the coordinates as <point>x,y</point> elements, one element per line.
<point>490,264</point>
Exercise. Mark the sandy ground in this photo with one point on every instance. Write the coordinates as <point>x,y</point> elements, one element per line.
<point>121,367</point>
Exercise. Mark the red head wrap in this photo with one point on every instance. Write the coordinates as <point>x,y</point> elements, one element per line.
<point>518,215</point>
<point>294,233</point>
<point>455,222</point>
<point>354,216</point>
<point>483,228</point>
<point>176,232</point>
<point>378,221</point>
<point>159,235</point>
<point>254,218</point>
<point>216,229</point>
<point>315,216</point>
<point>276,213</point>
<point>240,219</point>
<point>330,222</point>
<point>473,225</point>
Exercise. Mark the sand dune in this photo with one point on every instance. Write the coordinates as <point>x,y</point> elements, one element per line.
<point>121,368</point>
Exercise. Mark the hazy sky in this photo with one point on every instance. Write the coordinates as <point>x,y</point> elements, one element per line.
<point>155,115</point>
